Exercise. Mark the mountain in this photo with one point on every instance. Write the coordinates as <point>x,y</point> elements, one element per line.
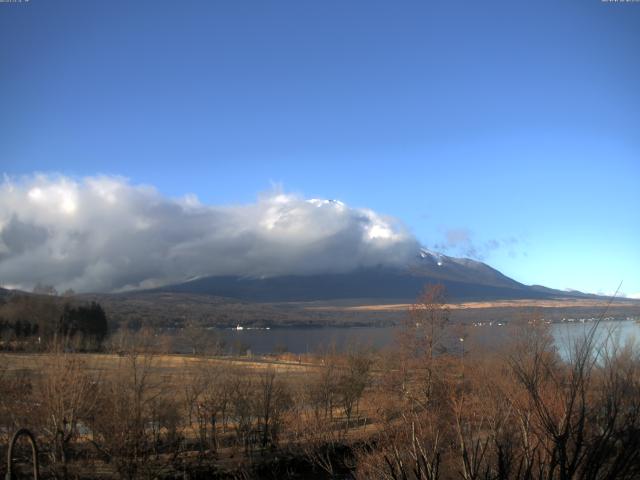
<point>465,280</point>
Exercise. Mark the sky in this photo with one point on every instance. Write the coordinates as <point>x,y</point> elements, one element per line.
<point>504,131</point>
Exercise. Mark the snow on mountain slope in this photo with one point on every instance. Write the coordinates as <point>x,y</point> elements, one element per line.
<point>437,265</point>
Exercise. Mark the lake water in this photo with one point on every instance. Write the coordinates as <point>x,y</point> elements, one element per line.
<point>315,339</point>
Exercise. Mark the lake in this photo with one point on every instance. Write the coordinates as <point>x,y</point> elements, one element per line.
<point>314,339</point>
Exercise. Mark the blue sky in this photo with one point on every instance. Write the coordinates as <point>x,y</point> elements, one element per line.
<point>505,130</point>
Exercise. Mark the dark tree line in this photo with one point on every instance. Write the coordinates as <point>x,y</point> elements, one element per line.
<point>87,320</point>
<point>19,328</point>
<point>43,318</point>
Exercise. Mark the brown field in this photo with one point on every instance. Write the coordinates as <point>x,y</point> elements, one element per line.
<point>524,303</point>
<point>163,366</point>
<point>177,393</point>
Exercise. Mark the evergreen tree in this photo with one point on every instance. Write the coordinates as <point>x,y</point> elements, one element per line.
<point>89,320</point>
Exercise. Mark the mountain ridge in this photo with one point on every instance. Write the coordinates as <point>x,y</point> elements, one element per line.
<point>464,279</point>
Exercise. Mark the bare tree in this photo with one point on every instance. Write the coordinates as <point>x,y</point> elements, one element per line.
<point>273,399</point>
<point>201,340</point>
<point>409,449</point>
<point>579,412</point>
<point>68,393</point>
<point>354,378</point>
<point>241,402</point>
<point>422,339</point>
<point>129,421</point>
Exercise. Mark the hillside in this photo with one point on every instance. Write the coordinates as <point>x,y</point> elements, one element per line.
<point>464,279</point>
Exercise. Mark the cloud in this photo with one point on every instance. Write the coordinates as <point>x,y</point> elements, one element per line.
<point>461,242</point>
<point>105,234</point>
<point>618,294</point>
<point>458,236</point>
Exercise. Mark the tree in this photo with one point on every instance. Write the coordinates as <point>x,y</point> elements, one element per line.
<point>67,394</point>
<point>421,339</point>
<point>241,393</point>
<point>581,416</point>
<point>273,399</point>
<point>201,340</point>
<point>430,316</point>
<point>353,381</point>
<point>322,388</point>
<point>87,320</point>
<point>42,312</point>
<point>135,417</point>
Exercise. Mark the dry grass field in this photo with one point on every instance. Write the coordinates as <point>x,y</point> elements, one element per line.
<point>147,415</point>
<point>524,304</point>
<point>162,363</point>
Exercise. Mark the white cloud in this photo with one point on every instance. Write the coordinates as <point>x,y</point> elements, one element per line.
<point>105,234</point>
